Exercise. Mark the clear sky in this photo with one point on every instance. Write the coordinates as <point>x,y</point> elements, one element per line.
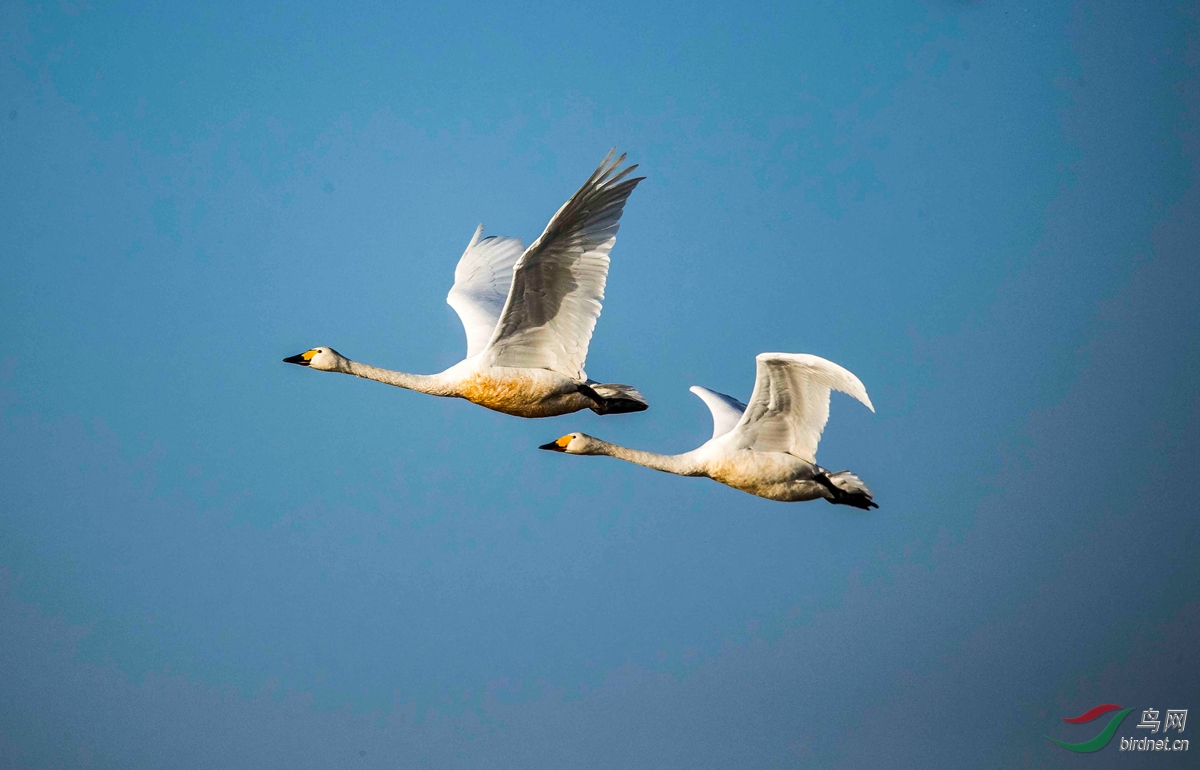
<point>209,558</point>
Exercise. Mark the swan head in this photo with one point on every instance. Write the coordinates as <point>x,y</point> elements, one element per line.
<point>573,444</point>
<point>325,359</point>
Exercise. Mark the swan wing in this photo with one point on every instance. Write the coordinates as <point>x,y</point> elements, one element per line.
<point>558,282</point>
<point>481,283</point>
<point>790,403</point>
<point>726,410</point>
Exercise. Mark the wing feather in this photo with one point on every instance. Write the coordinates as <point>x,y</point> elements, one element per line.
<point>481,283</point>
<point>726,410</point>
<point>790,403</point>
<point>558,283</point>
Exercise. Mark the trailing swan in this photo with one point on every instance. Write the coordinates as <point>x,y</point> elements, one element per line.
<point>528,313</point>
<point>767,447</point>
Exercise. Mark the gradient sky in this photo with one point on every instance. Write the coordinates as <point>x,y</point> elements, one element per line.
<point>209,558</point>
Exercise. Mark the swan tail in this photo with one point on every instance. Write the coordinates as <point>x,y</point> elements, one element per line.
<point>845,488</point>
<point>614,398</point>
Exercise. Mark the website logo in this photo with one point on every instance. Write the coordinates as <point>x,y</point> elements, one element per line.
<point>1174,719</point>
<point>1101,740</point>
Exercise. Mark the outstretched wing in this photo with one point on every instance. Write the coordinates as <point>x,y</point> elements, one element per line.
<point>558,282</point>
<point>790,403</point>
<point>726,410</point>
<point>481,283</point>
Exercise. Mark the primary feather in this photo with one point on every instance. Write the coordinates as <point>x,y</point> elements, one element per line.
<point>558,282</point>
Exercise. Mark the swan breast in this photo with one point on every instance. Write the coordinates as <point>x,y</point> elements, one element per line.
<point>773,475</point>
<point>523,393</point>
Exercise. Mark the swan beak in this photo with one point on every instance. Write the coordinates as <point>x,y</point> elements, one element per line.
<point>558,445</point>
<point>303,359</point>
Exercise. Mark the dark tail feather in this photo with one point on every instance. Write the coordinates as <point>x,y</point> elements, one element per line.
<point>613,398</point>
<point>847,489</point>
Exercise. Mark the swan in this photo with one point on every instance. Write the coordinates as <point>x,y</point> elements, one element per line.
<point>528,313</point>
<point>767,447</point>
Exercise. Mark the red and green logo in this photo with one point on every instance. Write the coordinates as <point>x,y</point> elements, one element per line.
<point>1101,740</point>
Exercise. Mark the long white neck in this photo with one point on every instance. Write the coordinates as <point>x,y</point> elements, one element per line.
<point>432,384</point>
<point>682,465</point>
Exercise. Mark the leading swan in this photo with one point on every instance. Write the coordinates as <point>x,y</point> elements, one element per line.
<point>528,313</point>
<point>767,447</point>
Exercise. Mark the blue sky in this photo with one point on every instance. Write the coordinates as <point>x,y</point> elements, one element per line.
<point>209,558</point>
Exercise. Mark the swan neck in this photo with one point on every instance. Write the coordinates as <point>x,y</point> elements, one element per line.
<point>419,382</point>
<point>678,464</point>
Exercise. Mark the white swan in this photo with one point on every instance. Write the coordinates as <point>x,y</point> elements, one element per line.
<point>528,313</point>
<point>767,448</point>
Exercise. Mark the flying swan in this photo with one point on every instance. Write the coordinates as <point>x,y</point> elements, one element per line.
<point>528,313</point>
<point>768,447</point>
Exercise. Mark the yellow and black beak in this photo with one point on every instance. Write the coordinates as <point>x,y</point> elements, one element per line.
<point>558,445</point>
<point>304,359</point>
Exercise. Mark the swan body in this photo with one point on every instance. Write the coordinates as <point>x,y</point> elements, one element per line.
<point>767,447</point>
<point>528,314</point>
